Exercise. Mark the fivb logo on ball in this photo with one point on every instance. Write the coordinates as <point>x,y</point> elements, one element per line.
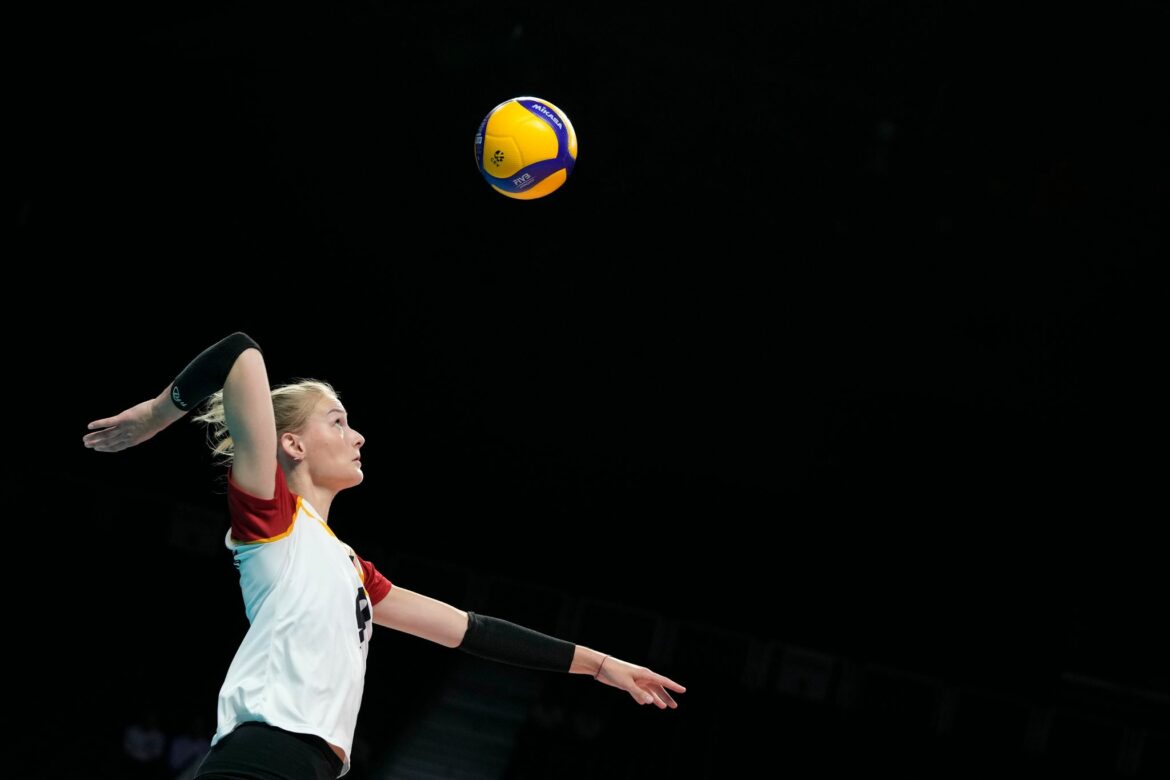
<point>525,148</point>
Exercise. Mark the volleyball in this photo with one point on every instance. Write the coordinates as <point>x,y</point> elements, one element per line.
<point>525,148</point>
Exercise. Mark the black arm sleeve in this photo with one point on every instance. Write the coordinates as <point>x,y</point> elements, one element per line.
<point>207,373</point>
<point>499,640</point>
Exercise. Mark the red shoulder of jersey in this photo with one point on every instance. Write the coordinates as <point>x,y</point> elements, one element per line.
<point>376,585</point>
<point>261,519</point>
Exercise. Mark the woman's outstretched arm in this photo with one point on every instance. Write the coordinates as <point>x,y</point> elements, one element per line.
<point>500,640</point>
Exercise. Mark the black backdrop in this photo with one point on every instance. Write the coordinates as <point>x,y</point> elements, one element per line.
<point>837,335</point>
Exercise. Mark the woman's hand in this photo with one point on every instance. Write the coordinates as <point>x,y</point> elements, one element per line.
<point>645,686</point>
<point>131,427</point>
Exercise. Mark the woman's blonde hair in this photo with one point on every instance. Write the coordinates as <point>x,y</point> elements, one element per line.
<point>293,404</point>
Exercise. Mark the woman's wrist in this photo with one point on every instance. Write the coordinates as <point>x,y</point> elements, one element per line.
<point>588,661</point>
<point>163,411</point>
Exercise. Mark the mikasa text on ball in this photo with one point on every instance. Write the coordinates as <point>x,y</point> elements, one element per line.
<point>525,148</point>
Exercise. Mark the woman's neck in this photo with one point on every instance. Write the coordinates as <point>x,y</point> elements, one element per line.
<point>319,497</point>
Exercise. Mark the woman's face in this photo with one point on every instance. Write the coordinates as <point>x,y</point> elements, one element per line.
<point>332,448</point>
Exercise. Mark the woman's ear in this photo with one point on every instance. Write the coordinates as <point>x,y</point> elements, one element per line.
<point>292,446</point>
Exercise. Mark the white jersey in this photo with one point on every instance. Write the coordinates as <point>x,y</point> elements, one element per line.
<point>309,599</point>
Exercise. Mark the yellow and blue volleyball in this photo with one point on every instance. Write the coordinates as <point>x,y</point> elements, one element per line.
<point>525,148</point>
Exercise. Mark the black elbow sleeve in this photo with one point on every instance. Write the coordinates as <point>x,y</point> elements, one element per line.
<point>206,374</point>
<point>499,640</point>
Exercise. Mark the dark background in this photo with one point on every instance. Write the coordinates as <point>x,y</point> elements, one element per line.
<point>837,344</point>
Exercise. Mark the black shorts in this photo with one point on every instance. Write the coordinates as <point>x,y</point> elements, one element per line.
<point>257,751</point>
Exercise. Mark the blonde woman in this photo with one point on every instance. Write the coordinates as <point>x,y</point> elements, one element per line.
<point>289,703</point>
